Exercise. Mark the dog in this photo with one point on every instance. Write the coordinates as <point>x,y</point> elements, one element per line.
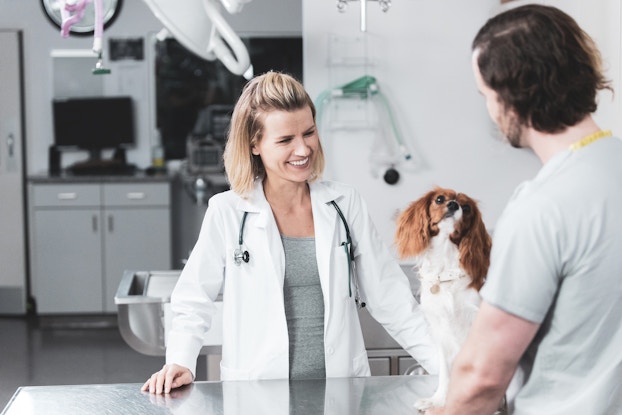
<point>445,233</point>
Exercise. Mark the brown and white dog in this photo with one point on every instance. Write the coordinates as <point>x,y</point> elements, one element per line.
<point>445,234</point>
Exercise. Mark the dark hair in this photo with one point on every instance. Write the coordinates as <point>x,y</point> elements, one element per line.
<point>542,65</point>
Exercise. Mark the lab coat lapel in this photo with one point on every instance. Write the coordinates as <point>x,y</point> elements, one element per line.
<point>325,222</point>
<point>265,224</point>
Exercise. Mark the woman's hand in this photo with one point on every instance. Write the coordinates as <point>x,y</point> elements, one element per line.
<point>169,377</point>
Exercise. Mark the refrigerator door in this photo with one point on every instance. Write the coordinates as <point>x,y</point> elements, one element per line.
<point>12,217</point>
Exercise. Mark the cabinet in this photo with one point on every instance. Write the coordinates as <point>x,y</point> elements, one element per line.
<point>13,285</point>
<point>84,235</point>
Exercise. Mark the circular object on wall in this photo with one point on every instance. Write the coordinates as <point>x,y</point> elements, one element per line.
<point>86,26</point>
<point>391,176</point>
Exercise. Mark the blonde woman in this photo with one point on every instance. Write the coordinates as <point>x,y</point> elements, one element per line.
<point>295,257</point>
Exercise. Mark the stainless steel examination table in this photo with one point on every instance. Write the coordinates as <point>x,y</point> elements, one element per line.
<point>377,395</point>
<point>143,302</point>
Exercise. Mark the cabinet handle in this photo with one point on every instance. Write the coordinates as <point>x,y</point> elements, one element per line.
<point>10,142</point>
<point>136,195</point>
<point>67,196</point>
<point>110,223</point>
<point>94,223</point>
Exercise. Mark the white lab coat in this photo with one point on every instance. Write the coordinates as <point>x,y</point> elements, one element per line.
<point>255,337</point>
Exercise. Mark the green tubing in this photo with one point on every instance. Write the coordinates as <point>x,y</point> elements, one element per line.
<point>363,87</point>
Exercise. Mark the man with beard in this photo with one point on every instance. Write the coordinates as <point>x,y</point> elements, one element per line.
<point>553,297</point>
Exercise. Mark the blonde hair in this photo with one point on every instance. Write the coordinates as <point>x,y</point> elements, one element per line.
<point>272,91</point>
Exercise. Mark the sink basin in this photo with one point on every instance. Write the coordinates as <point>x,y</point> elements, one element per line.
<point>141,299</point>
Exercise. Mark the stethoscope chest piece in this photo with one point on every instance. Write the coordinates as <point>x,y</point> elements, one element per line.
<point>239,256</point>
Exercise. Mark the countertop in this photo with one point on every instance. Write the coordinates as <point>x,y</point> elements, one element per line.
<point>65,178</point>
<point>393,395</point>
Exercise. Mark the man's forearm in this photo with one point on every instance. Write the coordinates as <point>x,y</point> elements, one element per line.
<point>472,394</point>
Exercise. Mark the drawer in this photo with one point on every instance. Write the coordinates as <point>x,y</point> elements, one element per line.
<point>380,366</point>
<point>136,194</point>
<point>55,195</point>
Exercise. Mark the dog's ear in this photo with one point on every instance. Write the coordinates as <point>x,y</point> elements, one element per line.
<point>413,228</point>
<point>475,250</point>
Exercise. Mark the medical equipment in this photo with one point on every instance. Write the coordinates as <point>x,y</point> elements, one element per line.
<point>351,264</point>
<point>240,254</point>
<point>343,4</point>
<point>72,12</point>
<point>201,28</point>
<point>197,24</point>
<point>366,87</point>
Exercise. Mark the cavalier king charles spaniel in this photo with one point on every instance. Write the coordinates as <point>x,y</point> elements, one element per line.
<point>445,234</point>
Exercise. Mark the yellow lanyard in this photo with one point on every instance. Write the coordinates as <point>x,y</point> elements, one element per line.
<point>590,139</point>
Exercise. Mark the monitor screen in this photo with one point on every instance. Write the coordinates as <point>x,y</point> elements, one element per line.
<point>188,86</point>
<point>94,123</point>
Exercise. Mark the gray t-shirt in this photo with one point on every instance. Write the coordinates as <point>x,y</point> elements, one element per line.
<point>304,309</point>
<point>557,260</point>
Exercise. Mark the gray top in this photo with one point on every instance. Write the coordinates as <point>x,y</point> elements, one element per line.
<point>304,309</point>
<point>556,261</point>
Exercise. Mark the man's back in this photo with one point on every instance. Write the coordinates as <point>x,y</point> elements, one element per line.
<point>557,260</point>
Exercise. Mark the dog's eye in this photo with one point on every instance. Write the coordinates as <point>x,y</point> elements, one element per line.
<point>466,208</point>
<point>440,200</point>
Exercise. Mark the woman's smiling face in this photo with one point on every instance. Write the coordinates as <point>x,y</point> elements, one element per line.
<point>288,145</point>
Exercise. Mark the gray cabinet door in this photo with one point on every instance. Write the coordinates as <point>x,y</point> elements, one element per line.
<point>136,239</point>
<point>12,222</point>
<point>67,260</point>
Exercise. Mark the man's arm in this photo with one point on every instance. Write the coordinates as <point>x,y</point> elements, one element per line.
<point>485,365</point>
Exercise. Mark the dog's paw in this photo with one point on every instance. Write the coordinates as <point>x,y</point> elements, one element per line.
<point>424,404</point>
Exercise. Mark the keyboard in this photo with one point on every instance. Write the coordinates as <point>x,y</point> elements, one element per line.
<point>102,169</point>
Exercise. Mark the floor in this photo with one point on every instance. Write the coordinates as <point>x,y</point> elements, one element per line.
<point>68,351</point>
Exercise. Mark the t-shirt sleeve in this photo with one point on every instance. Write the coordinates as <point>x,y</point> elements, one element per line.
<point>523,277</point>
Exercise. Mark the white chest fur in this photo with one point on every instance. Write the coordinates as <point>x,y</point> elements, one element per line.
<point>446,299</point>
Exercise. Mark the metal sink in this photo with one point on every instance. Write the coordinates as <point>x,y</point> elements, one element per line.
<point>141,299</point>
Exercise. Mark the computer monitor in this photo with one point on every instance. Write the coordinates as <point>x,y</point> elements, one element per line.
<point>94,124</point>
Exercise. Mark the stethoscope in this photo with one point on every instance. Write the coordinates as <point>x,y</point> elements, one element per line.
<point>241,255</point>
<point>238,254</point>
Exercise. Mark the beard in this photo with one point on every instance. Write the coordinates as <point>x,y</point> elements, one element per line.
<point>511,128</point>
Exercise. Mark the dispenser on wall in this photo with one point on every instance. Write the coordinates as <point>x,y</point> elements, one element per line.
<point>366,88</point>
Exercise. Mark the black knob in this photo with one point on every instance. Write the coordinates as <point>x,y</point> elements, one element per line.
<point>391,176</point>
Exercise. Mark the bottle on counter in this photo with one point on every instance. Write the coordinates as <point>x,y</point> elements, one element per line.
<point>157,153</point>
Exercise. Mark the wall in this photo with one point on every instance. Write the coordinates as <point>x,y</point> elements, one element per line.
<point>419,51</point>
<point>135,20</point>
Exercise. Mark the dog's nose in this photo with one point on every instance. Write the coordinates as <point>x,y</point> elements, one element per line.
<point>453,206</point>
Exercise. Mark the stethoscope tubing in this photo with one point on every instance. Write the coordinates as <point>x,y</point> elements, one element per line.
<point>239,255</point>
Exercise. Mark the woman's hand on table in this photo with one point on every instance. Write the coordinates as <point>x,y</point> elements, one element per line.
<point>169,377</point>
